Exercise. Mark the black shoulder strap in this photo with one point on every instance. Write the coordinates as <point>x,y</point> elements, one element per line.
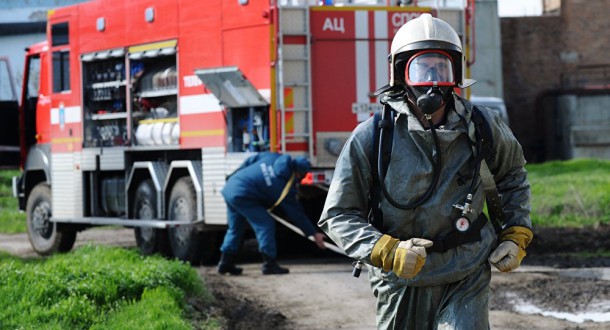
<point>484,129</point>
<point>494,204</point>
<point>375,216</point>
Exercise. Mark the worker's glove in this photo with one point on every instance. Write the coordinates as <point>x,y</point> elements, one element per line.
<point>405,258</point>
<point>508,255</point>
<point>410,257</point>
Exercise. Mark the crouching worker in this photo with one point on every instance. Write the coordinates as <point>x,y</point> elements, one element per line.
<point>428,247</point>
<point>263,182</point>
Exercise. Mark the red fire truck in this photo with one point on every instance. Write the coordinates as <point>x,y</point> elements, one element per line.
<point>134,112</point>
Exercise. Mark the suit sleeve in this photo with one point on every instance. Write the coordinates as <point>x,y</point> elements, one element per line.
<point>344,218</point>
<point>510,175</point>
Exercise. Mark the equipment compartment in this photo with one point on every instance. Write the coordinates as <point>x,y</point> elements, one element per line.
<point>154,102</point>
<point>104,105</point>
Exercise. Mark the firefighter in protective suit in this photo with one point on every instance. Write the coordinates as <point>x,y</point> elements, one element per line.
<point>263,182</point>
<point>429,257</point>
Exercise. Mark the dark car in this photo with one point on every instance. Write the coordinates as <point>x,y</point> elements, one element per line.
<point>494,103</point>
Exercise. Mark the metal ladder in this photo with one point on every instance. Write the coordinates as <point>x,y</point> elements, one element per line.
<point>294,76</point>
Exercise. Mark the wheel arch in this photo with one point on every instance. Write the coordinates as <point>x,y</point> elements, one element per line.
<point>37,169</point>
<point>141,171</point>
<point>181,168</point>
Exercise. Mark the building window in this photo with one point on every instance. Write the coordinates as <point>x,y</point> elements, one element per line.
<point>61,71</point>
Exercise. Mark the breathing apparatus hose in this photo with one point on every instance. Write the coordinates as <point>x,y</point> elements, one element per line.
<point>436,168</point>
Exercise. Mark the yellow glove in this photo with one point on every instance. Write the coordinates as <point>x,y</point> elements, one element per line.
<point>404,258</point>
<point>508,255</point>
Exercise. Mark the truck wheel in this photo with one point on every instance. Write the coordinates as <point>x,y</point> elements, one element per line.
<point>149,240</point>
<point>44,235</point>
<point>185,241</point>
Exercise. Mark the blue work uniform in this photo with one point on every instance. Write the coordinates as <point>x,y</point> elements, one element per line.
<point>251,191</point>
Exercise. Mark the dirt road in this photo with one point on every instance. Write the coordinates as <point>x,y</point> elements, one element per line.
<point>18,244</point>
<point>321,293</point>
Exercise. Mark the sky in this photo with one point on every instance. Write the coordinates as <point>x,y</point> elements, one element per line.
<point>519,8</point>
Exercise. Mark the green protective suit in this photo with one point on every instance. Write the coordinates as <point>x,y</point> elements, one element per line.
<point>452,289</point>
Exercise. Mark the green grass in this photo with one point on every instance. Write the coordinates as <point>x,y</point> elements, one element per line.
<point>590,255</point>
<point>11,220</point>
<point>572,193</point>
<point>98,287</point>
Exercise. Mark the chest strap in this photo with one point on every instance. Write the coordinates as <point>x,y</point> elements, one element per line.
<point>457,238</point>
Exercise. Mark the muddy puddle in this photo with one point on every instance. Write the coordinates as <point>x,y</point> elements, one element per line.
<point>573,294</point>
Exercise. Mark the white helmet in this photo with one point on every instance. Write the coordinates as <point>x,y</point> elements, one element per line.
<point>422,34</point>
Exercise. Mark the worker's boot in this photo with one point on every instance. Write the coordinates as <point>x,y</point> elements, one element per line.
<point>271,267</point>
<point>227,265</point>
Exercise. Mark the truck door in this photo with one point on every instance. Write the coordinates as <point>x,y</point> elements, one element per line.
<point>246,111</point>
<point>9,135</point>
<point>35,101</point>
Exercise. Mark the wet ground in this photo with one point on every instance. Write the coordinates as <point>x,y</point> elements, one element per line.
<point>570,247</point>
<point>563,285</point>
<point>322,294</point>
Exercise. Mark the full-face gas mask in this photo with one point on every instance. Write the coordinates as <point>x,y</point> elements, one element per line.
<point>429,78</point>
<point>427,62</point>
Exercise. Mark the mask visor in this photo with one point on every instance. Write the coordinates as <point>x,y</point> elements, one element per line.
<point>430,68</point>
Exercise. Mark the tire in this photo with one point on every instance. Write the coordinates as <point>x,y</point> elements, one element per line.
<point>149,240</point>
<point>45,236</point>
<point>187,242</point>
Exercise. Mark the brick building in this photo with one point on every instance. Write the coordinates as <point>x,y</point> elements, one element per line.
<point>545,57</point>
